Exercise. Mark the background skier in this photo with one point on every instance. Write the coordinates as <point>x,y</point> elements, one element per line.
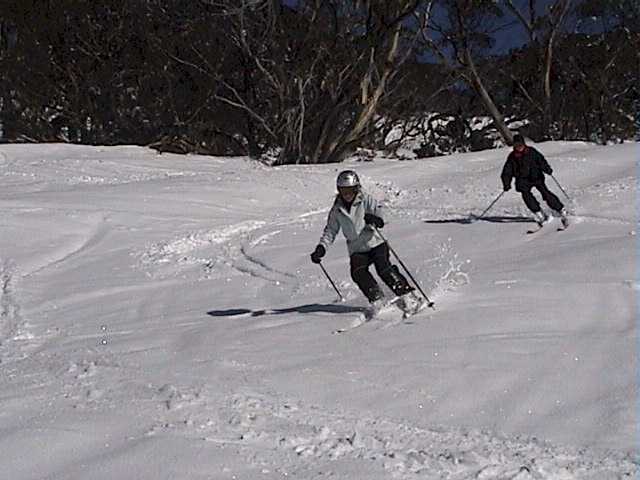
<point>356,213</point>
<point>528,166</point>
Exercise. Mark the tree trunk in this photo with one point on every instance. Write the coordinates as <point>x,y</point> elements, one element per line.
<point>370,101</point>
<point>556,24</point>
<point>476,82</point>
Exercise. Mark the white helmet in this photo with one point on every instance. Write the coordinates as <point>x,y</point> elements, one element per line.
<point>348,178</point>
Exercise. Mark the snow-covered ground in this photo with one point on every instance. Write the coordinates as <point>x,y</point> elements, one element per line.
<point>160,319</point>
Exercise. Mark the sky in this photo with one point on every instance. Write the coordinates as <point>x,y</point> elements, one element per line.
<point>513,35</point>
<point>160,319</point>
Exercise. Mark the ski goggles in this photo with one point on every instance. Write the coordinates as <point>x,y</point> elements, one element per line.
<point>347,191</point>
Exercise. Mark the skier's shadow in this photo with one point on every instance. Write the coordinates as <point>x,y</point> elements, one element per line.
<point>472,219</point>
<point>309,308</point>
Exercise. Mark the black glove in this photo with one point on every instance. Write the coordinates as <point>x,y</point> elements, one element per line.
<point>507,188</point>
<point>371,219</point>
<point>318,253</point>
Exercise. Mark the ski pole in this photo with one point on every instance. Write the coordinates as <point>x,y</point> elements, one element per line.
<point>489,207</point>
<point>429,302</point>
<point>331,281</point>
<point>560,187</point>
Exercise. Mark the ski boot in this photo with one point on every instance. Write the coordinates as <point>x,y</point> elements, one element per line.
<point>540,217</point>
<point>411,303</point>
<point>375,307</point>
<point>563,218</point>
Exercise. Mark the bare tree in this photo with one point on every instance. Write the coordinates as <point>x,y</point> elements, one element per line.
<point>543,31</point>
<point>601,59</point>
<point>315,74</point>
<point>459,39</point>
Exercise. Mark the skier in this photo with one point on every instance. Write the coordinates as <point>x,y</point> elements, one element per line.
<point>528,166</point>
<point>357,213</point>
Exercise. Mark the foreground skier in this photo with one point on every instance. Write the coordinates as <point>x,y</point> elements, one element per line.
<point>356,213</point>
<point>528,166</point>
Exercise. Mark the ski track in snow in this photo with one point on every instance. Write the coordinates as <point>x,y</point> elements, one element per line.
<point>193,249</point>
<point>232,244</point>
<point>94,233</point>
<point>272,275</point>
<point>3,160</point>
<point>276,433</point>
<point>13,330</point>
<point>166,251</point>
<point>8,307</point>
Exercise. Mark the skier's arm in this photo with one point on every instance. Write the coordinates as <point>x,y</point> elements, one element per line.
<point>372,207</point>
<point>330,230</point>
<point>507,174</point>
<point>542,162</point>
<point>374,212</point>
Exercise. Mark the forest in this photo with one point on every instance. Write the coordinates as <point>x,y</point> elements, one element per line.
<point>313,81</point>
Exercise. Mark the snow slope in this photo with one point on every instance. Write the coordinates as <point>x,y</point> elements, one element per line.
<point>160,318</point>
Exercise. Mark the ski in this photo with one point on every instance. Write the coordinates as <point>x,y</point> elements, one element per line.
<point>564,221</point>
<point>370,314</point>
<point>373,312</point>
<point>563,226</point>
<point>394,303</point>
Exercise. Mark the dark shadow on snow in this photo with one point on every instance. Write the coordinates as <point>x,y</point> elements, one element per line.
<point>465,220</point>
<point>310,308</point>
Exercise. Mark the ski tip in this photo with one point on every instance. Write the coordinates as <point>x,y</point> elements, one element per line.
<point>431,305</point>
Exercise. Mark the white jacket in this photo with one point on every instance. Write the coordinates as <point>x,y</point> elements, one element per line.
<point>360,237</point>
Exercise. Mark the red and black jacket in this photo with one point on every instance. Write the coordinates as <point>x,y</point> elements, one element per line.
<point>527,167</point>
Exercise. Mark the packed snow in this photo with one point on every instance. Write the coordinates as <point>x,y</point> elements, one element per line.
<point>160,319</point>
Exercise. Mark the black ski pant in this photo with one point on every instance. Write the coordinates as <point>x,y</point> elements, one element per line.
<point>379,257</point>
<point>547,195</point>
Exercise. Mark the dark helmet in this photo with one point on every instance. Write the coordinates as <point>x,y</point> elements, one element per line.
<point>348,178</point>
<point>518,139</point>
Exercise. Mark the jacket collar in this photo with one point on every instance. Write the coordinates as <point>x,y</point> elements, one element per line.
<point>521,153</point>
